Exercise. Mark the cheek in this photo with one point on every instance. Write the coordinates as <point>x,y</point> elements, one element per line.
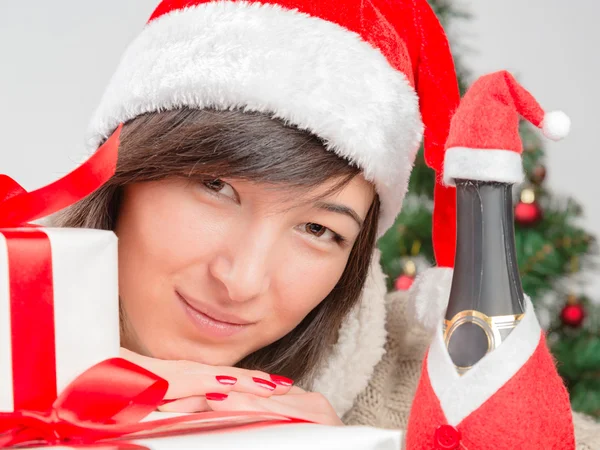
<point>164,229</point>
<point>163,233</point>
<point>302,285</point>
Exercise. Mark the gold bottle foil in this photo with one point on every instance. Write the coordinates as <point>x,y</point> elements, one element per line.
<point>496,328</point>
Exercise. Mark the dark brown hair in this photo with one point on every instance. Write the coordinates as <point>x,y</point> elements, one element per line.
<point>205,145</point>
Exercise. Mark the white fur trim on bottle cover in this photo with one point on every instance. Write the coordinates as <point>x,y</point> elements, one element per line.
<point>429,295</point>
<point>460,395</point>
<point>504,166</point>
<point>306,71</point>
<point>360,346</point>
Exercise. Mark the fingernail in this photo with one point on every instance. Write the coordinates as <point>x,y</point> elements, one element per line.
<point>264,383</point>
<point>224,379</point>
<point>281,381</point>
<point>215,396</point>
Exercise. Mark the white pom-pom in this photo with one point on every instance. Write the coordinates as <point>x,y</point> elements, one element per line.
<point>556,125</point>
<point>429,296</point>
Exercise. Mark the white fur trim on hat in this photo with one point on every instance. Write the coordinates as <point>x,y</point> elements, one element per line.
<point>308,72</point>
<point>360,346</point>
<point>460,395</point>
<point>429,295</point>
<point>503,166</point>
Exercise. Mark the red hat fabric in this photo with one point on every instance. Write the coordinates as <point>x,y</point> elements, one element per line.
<point>484,142</point>
<point>367,77</point>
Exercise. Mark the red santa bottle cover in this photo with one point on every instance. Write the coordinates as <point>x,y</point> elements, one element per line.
<point>513,397</point>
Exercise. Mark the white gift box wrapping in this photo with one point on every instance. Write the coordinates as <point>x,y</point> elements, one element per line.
<point>276,437</point>
<point>86,305</point>
<point>288,437</point>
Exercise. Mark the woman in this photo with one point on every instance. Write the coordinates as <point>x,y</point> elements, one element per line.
<point>267,145</point>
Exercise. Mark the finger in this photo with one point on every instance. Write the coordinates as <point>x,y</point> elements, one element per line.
<point>312,407</point>
<point>255,382</point>
<point>188,378</point>
<point>295,390</point>
<point>185,378</point>
<point>186,405</point>
<point>183,383</point>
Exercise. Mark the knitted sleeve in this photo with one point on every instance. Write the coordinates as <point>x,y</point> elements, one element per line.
<point>587,432</point>
<point>386,401</point>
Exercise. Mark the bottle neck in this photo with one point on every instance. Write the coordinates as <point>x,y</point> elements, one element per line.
<point>486,276</point>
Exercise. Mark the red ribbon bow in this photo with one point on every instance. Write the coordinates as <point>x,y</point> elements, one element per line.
<point>17,206</point>
<point>107,402</point>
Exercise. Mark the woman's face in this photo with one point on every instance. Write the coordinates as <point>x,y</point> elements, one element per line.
<point>213,272</point>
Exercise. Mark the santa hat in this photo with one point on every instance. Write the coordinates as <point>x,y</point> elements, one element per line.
<point>368,78</point>
<point>353,73</point>
<point>484,142</point>
<point>483,145</point>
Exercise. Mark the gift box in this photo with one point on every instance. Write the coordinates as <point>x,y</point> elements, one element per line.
<point>59,311</point>
<point>57,318</point>
<point>289,437</point>
<point>277,437</point>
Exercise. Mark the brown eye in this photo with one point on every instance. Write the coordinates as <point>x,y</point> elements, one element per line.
<point>315,229</point>
<point>322,234</point>
<point>220,187</point>
<point>215,185</point>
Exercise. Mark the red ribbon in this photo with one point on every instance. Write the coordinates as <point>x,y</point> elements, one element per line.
<point>107,402</point>
<point>30,272</point>
<point>17,206</point>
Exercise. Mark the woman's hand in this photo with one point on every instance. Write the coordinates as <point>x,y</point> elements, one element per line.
<point>296,403</point>
<point>190,382</point>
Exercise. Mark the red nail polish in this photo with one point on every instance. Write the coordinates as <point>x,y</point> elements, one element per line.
<point>264,383</point>
<point>281,381</point>
<point>224,379</point>
<point>215,396</point>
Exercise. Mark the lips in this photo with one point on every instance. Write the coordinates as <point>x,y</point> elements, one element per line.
<point>212,322</point>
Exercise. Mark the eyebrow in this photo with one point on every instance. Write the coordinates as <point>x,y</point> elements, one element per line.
<point>340,209</point>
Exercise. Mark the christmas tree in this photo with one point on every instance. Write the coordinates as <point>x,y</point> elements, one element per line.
<point>551,248</point>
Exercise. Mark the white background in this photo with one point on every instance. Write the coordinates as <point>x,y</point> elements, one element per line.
<point>56,57</point>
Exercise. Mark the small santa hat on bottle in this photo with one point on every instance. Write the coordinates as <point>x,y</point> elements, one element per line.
<point>483,145</point>
<point>484,142</point>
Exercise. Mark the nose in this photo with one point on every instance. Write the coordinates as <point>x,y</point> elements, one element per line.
<point>242,267</point>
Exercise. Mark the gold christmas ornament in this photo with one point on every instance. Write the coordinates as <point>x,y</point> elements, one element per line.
<point>410,268</point>
<point>528,196</point>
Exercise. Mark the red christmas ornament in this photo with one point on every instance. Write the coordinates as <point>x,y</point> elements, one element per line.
<point>527,211</point>
<point>403,282</point>
<point>572,315</point>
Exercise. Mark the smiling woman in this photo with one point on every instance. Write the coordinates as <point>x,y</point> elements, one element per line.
<point>222,216</point>
<point>266,145</point>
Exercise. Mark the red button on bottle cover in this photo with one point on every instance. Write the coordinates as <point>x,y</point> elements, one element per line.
<point>447,437</point>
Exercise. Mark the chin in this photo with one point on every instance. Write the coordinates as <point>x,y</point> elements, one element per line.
<point>213,355</point>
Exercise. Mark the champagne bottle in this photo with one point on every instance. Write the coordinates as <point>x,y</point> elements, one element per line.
<point>486,299</point>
